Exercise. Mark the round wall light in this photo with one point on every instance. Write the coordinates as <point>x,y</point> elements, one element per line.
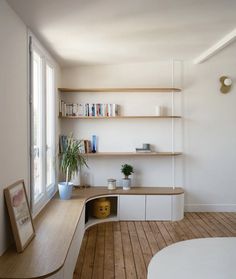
<point>226,84</point>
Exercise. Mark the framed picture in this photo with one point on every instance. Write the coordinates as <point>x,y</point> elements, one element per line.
<point>19,213</point>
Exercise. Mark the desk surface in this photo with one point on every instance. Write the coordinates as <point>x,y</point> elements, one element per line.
<point>55,227</point>
<point>198,258</point>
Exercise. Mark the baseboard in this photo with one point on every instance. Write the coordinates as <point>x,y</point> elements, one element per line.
<point>210,208</point>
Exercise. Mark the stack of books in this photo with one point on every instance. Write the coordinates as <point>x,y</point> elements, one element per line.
<point>85,145</point>
<point>96,110</point>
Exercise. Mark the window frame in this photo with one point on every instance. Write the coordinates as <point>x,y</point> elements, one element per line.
<point>48,192</point>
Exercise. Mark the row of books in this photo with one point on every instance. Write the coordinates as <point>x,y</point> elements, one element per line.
<point>85,145</point>
<point>96,110</point>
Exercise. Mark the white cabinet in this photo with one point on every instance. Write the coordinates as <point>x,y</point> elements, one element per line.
<point>132,207</point>
<point>158,207</point>
<point>177,207</point>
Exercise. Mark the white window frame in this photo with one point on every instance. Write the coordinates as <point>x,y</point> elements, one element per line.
<point>48,192</point>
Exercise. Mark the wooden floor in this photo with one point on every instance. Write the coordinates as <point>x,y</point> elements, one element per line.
<point>124,249</point>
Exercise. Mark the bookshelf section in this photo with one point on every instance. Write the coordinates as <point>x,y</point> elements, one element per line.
<point>136,119</point>
<point>120,90</point>
<point>122,117</point>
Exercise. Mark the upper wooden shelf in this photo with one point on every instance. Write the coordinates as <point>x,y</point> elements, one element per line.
<point>104,154</point>
<point>119,117</point>
<point>110,90</point>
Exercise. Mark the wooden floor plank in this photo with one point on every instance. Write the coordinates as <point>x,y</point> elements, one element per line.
<point>210,227</point>
<point>99,253</point>
<point>165,233</point>
<point>146,250</point>
<point>137,252</point>
<point>122,250</point>
<point>195,232</point>
<point>178,228</point>
<point>151,238</point>
<point>158,236</point>
<point>123,226</point>
<point>128,256</point>
<point>171,231</point>
<point>119,256</point>
<point>198,224</point>
<point>221,228</point>
<point>116,226</point>
<point>109,269</point>
<point>225,222</point>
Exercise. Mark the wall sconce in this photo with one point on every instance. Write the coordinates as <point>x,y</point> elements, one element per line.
<point>226,83</point>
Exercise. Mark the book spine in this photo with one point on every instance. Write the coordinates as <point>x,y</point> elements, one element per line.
<point>80,110</point>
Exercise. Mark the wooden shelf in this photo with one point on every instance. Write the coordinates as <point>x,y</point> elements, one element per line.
<point>94,221</point>
<point>119,117</point>
<point>104,154</point>
<point>121,90</point>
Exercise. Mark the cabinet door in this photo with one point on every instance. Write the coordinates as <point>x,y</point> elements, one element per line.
<point>132,207</point>
<point>158,207</point>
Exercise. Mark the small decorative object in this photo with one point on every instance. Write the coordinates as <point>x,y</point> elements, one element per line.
<point>71,161</point>
<point>146,148</point>
<point>101,208</point>
<point>111,184</point>
<point>226,84</point>
<point>94,144</point>
<point>158,110</point>
<point>19,213</point>
<point>127,170</point>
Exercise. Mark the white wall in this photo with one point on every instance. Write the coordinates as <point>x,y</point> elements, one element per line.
<point>13,108</point>
<point>208,170</point>
<point>210,134</point>
<point>123,134</point>
<point>14,135</point>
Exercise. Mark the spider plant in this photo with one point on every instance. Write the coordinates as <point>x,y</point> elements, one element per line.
<point>72,159</point>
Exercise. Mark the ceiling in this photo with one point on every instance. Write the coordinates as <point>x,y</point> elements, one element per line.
<point>126,31</point>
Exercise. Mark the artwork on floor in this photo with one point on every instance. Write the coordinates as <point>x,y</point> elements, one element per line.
<point>19,213</point>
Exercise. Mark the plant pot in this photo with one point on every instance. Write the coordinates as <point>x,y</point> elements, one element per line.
<point>65,190</point>
<point>126,182</point>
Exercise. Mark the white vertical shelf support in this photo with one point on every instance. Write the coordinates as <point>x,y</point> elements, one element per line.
<point>173,126</point>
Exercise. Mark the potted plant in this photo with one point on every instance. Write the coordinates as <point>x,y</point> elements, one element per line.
<point>127,170</point>
<point>71,161</point>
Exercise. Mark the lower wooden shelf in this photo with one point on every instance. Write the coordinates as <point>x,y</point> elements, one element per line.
<point>103,154</point>
<point>93,221</point>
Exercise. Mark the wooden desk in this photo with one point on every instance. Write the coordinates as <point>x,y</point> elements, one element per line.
<point>59,232</point>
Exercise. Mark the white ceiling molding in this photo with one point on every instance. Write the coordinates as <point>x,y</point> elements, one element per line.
<point>225,41</point>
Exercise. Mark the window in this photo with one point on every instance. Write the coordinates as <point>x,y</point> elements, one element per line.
<point>42,119</point>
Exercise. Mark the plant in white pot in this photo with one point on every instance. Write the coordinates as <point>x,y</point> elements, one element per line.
<point>71,161</point>
<point>127,170</point>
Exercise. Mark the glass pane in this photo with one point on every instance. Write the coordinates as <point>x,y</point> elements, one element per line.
<point>50,127</point>
<point>37,125</point>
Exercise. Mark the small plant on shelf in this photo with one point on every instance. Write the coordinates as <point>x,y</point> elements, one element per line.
<point>127,170</point>
<point>72,160</point>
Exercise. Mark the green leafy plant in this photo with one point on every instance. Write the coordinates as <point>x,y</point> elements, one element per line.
<point>72,160</point>
<point>127,170</point>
